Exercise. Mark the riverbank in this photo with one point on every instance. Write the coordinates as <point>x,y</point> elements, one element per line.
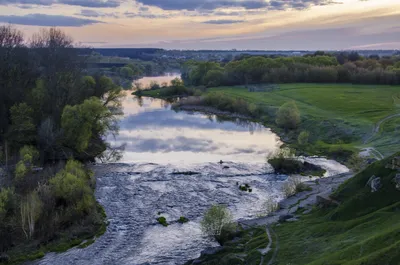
<point>355,223</point>
<point>290,210</point>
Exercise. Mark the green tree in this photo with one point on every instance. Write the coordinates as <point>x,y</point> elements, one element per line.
<point>303,137</point>
<point>81,122</point>
<point>213,78</point>
<point>6,200</point>
<point>126,72</point>
<point>215,219</point>
<point>288,116</point>
<point>22,130</point>
<point>28,158</point>
<point>72,185</point>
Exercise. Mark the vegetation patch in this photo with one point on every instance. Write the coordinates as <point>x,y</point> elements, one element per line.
<point>162,221</point>
<point>290,166</point>
<point>183,220</point>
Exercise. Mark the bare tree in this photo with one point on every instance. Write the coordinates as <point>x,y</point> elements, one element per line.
<point>31,208</point>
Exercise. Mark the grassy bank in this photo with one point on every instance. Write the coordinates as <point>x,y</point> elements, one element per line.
<point>244,249</point>
<point>363,229</point>
<point>337,116</point>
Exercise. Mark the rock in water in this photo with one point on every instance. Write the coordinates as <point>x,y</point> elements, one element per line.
<point>375,183</point>
<point>396,181</point>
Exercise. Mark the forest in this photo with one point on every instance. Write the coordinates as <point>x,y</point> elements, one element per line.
<point>320,67</point>
<point>53,119</point>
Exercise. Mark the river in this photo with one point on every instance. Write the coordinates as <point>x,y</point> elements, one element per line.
<point>152,180</point>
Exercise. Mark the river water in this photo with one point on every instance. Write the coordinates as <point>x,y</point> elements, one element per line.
<point>152,180</point>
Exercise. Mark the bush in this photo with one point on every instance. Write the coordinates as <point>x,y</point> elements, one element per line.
<point>270,206</point>
<point>303,138</point>
<point>288,116</point>
<point>162,220</point>
<point>215,219</point>
<point>183,220</point>
<point>294,185</point>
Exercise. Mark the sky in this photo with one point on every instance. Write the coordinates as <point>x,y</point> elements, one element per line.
<point>214,24</point>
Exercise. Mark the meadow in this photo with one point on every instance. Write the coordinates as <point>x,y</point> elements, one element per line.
<point>331,109</point>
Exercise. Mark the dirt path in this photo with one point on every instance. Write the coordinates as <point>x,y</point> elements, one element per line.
<point>305,200</point>
<point>378,126</point>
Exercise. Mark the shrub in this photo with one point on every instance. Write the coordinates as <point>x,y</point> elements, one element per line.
<point>270,206</point>
<point>162,220</point>
<point>303,138</point>
<point>294,185</point>
<point>183,220</point>
<point>288,116</point>
<point>215,219</point>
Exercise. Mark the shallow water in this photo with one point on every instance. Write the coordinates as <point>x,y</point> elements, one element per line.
<point>160,143</point>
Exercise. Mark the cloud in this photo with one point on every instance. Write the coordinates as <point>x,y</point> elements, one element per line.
<point>223,21</point>
<point>83,3</point>
<point>94,13</point>
<point>47,20</point>
<point>145,15</point>
<point>246,4</point>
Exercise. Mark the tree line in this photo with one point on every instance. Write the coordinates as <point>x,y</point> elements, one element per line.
<point>317,68</point>
<point>53,118</point>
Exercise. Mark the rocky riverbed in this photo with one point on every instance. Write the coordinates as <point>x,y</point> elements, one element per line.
<point>134,195</point>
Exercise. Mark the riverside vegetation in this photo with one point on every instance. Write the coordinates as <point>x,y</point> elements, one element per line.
<point>53,119</point>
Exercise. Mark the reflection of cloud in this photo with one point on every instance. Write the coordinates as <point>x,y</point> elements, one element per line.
<point>171,119</point>
<point>178,144</point>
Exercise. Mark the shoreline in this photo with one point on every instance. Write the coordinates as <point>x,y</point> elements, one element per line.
<point>211,110</point>
<point>302,201</point>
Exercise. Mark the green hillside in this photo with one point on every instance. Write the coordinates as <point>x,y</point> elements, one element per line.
<point>363,230</point>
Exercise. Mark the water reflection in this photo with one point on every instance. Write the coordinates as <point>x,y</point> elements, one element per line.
<point>152,132</point>
<point>146,81</point>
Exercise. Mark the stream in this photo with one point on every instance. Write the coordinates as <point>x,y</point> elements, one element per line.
<point>170,167</point>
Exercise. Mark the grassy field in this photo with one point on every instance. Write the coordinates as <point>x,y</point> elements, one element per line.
<point>332,109</point>
<point>363,230</point>
<point>240,251</point>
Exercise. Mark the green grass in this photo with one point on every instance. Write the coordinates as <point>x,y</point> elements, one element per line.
<point>340,115</point>
<point>363,230</point>
<point>240,251</point>
<point>367,104</point>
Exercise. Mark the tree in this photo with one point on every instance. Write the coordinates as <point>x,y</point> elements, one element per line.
<point>72,186</point>
<point>126,72</point>
<point>288,116</point>
<point>302,139</point>
<point>22,130</point>
<point>31,209</point>
<point>81,122</point>
<point>215,219</point>
<point>28,157</point>
<point>213,78</point>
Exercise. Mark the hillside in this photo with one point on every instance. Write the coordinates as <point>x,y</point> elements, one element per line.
<point>363,229</point>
